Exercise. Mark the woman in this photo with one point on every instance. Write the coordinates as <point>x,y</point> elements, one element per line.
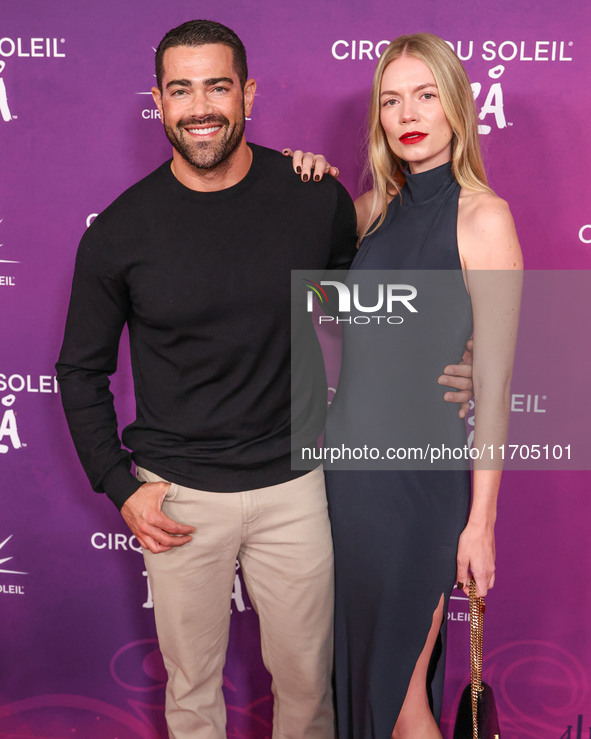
<point>402,537</point>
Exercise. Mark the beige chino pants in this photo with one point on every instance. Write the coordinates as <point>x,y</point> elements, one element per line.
<point>281,536</point>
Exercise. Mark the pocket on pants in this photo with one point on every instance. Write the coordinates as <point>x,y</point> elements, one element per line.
<point>144,475</point>
<point>173,490</point>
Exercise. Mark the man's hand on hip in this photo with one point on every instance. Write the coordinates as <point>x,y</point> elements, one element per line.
<point>152,528</point>
<point>459,377</point>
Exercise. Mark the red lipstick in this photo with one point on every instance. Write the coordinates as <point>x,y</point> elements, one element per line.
<point>412,137</point>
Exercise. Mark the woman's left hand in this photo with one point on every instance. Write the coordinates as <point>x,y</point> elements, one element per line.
<point>476,558</point>
<point>309,165</point>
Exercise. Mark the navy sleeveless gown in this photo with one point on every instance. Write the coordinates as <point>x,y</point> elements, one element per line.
<point>396,531</point>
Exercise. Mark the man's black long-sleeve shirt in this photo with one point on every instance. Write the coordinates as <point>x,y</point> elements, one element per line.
<point>203,281</point>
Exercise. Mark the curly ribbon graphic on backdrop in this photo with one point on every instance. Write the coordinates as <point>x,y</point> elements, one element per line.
<point>133,662</point>
<point>58,716</point>
<point>55,716</point>
<point>539,688</point>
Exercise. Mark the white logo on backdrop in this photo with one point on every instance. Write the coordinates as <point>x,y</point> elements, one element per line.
<point>110,541</point>
<point>491,103</point>
<point>15,383</point>
<point>3,279</point>
<point>125,542</point>
<point>149,602</point>
<point>585,234</point>
<point>506,51</point>
<point>45,384</point>
<point>4,109</point>
<point>520,51</point>
<point>32,47</point>
<point>4,560</point>
<point>237,597</point>
<point>150,112</point>
<point>520,403</point>
<point>24,48</point>
<point>8,428</point>
<point>459,611</point>
<point>528,403</point>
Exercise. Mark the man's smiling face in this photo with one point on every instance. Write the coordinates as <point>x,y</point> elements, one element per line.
<point>202,104</point>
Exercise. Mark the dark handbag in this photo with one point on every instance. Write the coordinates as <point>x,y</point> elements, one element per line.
<point>477,713</point>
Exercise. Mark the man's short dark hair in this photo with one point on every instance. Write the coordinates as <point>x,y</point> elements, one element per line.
<point>200,32</point>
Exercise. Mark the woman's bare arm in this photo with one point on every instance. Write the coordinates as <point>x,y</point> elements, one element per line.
<point>491,256</point>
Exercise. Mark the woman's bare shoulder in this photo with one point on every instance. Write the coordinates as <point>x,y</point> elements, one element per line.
<point>486,232</point>
<point>479,205</point>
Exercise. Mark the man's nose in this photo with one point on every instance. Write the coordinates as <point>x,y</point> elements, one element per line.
<point>201,104</point>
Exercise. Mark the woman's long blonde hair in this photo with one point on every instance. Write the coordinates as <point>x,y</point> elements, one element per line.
<point>457,102</point>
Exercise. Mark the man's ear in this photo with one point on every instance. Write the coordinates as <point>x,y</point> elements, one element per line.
<point>157,97</point>
<point>249,91</point>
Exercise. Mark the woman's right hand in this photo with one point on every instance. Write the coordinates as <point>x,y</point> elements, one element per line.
<point>476,558</point>
<point>310,166</point>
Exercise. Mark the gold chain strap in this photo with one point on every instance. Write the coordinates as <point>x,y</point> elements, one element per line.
<point>476,623</point>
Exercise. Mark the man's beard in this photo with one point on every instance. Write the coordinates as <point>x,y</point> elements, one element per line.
<point>206,154</point>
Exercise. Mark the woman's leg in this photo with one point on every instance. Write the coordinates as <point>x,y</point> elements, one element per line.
<point>415,718</point>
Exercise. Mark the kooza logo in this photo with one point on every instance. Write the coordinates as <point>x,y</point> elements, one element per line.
<point>8,429</point>
<point>493,103</point>
<point>388,298</point>
<point>4,109</point>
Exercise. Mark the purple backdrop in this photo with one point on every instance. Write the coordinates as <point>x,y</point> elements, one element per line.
<point>78,651</point>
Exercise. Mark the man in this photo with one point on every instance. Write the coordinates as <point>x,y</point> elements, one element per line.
<point>196,259</point>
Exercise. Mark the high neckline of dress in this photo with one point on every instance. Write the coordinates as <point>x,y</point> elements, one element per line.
<point>424,186</point>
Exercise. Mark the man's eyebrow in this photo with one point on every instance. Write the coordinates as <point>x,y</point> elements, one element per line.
<point>216,80</point>
<point>207,83</point>
<point>179,83</point>
<point>418,88</point>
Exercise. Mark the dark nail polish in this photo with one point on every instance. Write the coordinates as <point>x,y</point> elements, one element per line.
<point>316,178</point>
<point>305,178</point>
<point>460,586</point>
<point>299,170</point>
